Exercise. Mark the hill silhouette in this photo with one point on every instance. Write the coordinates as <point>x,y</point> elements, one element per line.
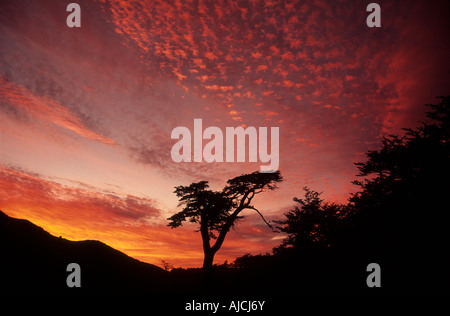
<point>34,262</point>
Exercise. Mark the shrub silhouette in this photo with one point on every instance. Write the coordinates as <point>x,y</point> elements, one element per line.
<point>312,223</point>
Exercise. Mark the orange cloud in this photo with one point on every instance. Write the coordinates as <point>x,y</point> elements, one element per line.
<point>127,223</point>
<point>262,68</point>
<point>47,110</point>
<point>288,83</point>
<point>268,114</point>
<point>256,55</point>
<point>216,87</point>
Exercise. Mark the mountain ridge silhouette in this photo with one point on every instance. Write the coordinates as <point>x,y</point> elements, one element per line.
<point>35,262</point>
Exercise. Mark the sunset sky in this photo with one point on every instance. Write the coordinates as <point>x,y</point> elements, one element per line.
<point>86,114</point>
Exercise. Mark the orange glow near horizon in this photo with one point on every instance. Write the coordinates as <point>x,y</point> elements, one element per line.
<point>124,223</point>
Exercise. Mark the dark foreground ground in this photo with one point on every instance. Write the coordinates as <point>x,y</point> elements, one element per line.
<point>33,262</point>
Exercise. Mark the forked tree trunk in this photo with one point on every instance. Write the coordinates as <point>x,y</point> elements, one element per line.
<point>211,251</point>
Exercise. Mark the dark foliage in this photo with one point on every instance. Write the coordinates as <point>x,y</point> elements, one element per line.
<point>402,207</point>
<point>397,219</point>
<point>312,223</point>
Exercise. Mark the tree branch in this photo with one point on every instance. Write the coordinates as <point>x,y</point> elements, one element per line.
<point>242,201</point>
<point>267,223</point>
<point>226,228</point>
<point>250,197</point>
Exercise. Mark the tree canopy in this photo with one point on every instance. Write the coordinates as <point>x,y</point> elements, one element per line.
<point>312,222</point>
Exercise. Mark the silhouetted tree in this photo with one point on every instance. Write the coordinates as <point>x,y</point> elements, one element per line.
<point>401,209</point>
<point>312,223</point>
<point>217,211</point>
<point>166,265</point>
<point>398,219</point>
<point>409,172</point>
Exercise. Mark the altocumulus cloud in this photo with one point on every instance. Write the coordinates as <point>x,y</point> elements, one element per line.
<point>27,188</point>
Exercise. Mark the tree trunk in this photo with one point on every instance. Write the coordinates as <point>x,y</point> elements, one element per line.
<point>208,252</point>
<point>208,280</point>
<point>208,261</point>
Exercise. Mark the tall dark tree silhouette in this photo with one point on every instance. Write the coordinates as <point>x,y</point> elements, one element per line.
<point>217,211</point>
<point>409,174</point>
<point>398,219</point>
<point>402,208</point>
